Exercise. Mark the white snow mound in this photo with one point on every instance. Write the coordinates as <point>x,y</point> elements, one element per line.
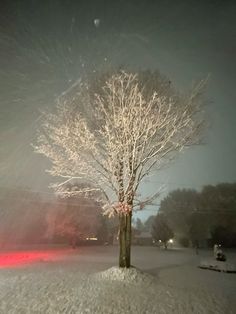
<point>218,266</point>
<point>126,275</point>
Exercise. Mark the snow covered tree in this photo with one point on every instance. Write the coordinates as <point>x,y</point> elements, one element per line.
<point>161,230</point>
<point>113,131</point>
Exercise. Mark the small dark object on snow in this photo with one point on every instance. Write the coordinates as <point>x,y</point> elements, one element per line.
<point>220,257</point>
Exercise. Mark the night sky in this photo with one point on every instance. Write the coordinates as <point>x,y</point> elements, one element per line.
<point>46,46</point>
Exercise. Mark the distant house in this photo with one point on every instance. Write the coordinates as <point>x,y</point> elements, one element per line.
<point>143,238</point>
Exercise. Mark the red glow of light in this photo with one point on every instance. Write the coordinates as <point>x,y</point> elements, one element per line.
<point>12,259</point>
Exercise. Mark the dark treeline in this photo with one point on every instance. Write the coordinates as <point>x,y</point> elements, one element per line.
<point>202,218</point>
<point>195,218</point>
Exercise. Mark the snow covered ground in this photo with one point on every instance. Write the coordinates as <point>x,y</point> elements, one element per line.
<point>85,281</point>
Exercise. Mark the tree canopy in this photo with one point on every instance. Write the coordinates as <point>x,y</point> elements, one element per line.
<point>206,214</point>
<point>114,130</point>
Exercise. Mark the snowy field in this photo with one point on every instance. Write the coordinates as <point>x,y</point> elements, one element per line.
<point>85,281</point>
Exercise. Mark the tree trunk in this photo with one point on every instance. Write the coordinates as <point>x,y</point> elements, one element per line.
<point>125,240</point>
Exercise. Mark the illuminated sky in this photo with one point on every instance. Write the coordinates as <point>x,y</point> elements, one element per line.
<point>45,46</point>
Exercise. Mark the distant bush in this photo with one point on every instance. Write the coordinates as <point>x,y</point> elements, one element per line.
<point>184,241</point>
